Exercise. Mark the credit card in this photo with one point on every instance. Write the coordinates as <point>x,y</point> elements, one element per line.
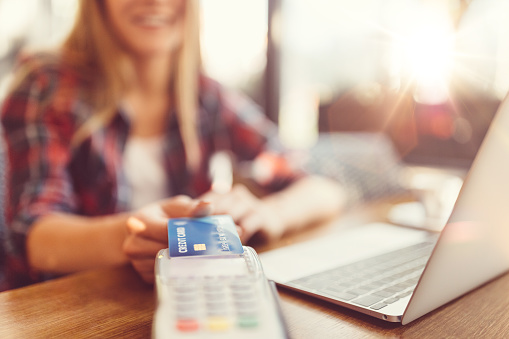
<point>211,235</point>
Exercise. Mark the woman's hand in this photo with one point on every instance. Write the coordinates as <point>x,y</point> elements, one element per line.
<point>251,214</point>
<point>147,230</point>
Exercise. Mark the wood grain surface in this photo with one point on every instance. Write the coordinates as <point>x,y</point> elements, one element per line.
<point>115,303</point>
<point>109,303</point>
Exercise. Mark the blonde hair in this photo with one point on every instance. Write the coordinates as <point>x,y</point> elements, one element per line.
<point>96,55</point>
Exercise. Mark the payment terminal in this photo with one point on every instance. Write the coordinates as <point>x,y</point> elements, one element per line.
<point>210,286</point>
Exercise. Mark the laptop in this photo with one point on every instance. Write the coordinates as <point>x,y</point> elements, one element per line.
<point>399,274</point>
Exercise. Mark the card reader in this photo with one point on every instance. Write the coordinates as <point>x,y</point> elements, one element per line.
<point>215,289</point>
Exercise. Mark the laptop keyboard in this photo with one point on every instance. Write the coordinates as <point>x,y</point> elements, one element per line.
<point>374,282</point>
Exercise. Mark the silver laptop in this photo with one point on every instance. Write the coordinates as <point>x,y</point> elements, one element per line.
<point>398,273</point>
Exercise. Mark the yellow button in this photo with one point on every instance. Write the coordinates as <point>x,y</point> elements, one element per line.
<point>218,324</point>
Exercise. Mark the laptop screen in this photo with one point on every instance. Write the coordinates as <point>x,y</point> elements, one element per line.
<point>448,134</point>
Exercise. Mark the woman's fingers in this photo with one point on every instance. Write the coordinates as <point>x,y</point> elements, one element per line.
<point>151,221</point>
<point>136,247</point>
<point>249,226</point>
<point>148,227</point>
<point>264,220</point>
<point>147,230</point>
<point>183,206</point>
<point>202,209</point>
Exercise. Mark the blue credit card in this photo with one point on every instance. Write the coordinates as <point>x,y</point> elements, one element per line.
<point>212,235</point>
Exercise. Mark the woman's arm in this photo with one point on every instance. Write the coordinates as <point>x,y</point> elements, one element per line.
<point>65,243</point>
<point>308,200</point>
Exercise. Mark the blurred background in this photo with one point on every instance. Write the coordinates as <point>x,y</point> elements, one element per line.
<point>424,77</point>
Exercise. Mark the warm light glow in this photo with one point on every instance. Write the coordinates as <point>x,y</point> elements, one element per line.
<point>15,17</point>
<point>428,55</point>
<point>234,39</point>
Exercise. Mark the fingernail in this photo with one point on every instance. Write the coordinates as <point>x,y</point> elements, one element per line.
<point>136,225</point>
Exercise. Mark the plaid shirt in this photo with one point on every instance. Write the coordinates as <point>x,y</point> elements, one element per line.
<point>46,174</point>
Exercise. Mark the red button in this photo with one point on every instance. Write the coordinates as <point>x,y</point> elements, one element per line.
<point>187,325</point>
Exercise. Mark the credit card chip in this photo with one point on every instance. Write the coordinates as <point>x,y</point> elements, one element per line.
<point>200,247</point>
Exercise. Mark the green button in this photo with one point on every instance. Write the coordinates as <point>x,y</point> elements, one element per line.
<point>247,322</point>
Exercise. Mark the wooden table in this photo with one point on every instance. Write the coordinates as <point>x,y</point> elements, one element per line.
<point>115,302</point>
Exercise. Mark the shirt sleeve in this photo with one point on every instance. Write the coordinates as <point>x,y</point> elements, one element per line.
<point>254,140</point>
<point>37,129</point>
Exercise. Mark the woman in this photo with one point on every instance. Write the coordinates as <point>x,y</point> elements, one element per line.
<point>100,134</point>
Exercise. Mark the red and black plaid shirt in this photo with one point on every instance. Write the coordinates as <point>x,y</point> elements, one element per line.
<point>46,174</point>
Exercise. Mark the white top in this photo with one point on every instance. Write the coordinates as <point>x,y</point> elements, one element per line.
<point>143,166</point>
